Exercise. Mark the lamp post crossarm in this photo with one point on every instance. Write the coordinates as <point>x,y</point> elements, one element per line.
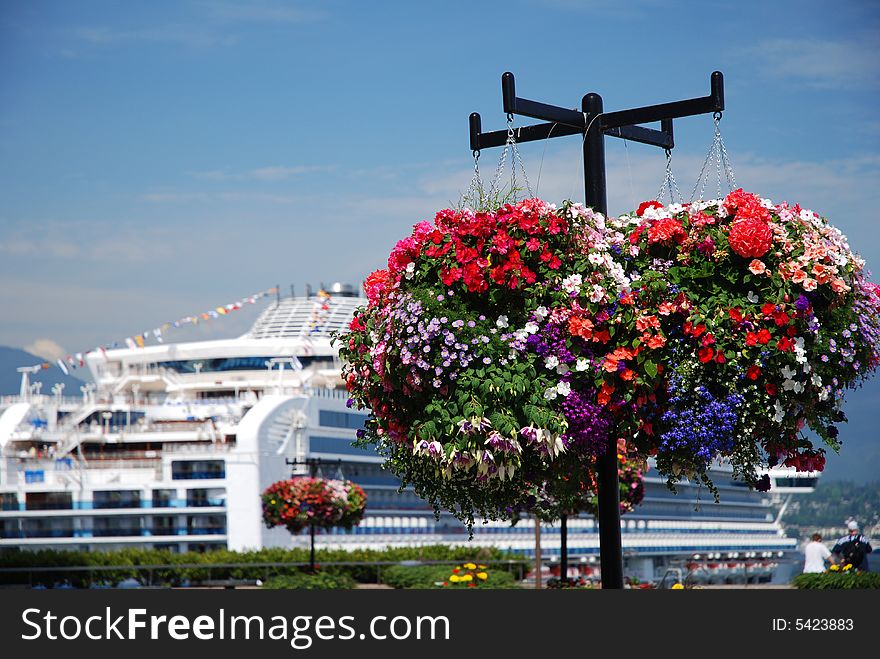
<point>623,124</point>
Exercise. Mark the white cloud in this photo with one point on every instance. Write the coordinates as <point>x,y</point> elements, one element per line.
<point>272,173</point>
<point>821,64</point>
<point>45,348</point>
<point>262,12</point>
<point>194,36</point>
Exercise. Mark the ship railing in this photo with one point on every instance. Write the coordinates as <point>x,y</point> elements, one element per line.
<point>65,402</point>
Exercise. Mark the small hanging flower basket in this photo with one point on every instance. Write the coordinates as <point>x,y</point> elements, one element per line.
<point>302,501</point>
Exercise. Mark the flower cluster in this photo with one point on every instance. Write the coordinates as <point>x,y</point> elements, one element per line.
<point>300,502</point>
<point>468,575</point>
<point>466,357</point>
<point>751,319</point>
<point>503,352</point>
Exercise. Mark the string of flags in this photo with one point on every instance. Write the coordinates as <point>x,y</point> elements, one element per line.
<point>77,360</point>
<point>319,314</point>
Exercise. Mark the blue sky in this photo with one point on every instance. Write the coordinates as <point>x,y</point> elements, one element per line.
<point>158,159</point>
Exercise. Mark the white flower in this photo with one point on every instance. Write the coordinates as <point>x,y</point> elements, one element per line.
<point>597,294</point>
<point>541,313</point>
<point>572,283</point>
<point>788,373</point>
<point>752,297</point>
<point>596,259</point>
<point>531,327</point>
<point>551,362</point>
<point>780,413</point>
<point>502,322</point>
<point>410,269</point>
<point>562,369</point>
<point>816,380</point>
<point>564,389</point>
<point>551,393</point>
<point>581,365</point>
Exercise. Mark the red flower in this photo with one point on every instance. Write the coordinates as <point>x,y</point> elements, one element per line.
<point>708,340</point>
<point>356,325</point>
<point>377,286</point>
<point>645,205</point>
<point>666,229</point>
<point>785,344</point>
<point>751,338</point>
<point>754,372</point>
<point>771,388</point>
<point>768,309</point>
<point>750,238</point>
<point>764,336</point>
<point>720,358</point>
<point>450,275</point>
<point>781,318</point>
<point>706,354</point>
<point>735,315</point>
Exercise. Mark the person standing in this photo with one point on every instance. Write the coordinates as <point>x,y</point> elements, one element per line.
<point>815,555</point>
<point>853,548</point>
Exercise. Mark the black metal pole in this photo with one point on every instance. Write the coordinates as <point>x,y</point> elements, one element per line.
<point>563,549</point>
<point>610,545</point>
<point>312,552</point>
<point>313,471</point>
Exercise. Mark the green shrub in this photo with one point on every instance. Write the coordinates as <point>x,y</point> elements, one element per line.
<point>305,581</point>
<point>837,580</point>
<point>435,576</point>
<point>124,564</point>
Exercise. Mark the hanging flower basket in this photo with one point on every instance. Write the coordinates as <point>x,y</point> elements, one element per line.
<point>300,502</point>
<point>464,353</point>
<point>748,321</point>
<point>510,348</point>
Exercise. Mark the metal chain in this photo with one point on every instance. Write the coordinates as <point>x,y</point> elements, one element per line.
<point>516,162</point>
<point>475,192</point>
<point>719,157</point>
<point>670,185</point>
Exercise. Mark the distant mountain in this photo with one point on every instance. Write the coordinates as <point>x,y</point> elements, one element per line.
<point>10,379</point>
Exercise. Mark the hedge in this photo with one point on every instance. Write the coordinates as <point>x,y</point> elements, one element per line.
<point>433,576</point>
<point>837,581</point>
<point>306,581</point>
<point>130,564</point>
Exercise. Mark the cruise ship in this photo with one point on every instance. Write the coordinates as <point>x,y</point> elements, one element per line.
<point>171,445</point>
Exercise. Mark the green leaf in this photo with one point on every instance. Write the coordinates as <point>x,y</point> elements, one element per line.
<point>650,368</point>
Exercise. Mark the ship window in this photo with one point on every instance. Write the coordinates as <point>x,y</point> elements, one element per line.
<point>117,499</point>
<point>238,364</point>
<point>197,469</point>
<point>341,419</point>
<point>338,445</point>
<point>163,498</point>
<point>48,501</point>
<point>8,501</point>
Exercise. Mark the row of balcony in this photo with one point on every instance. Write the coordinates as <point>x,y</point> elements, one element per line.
<point>117,532</point>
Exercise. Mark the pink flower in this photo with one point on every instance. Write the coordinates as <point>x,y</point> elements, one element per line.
<point>757,267</point>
